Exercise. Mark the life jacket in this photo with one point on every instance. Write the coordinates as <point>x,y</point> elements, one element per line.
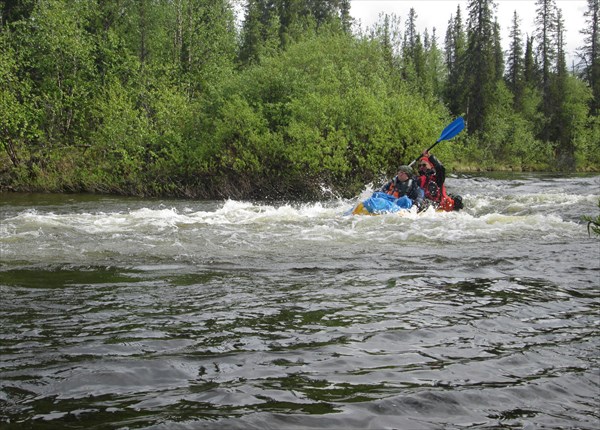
<point>399,189</point>
<point>434,193</point>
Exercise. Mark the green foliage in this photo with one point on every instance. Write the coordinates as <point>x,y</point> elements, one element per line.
<point>325,111</point>
<point>62,60</point>
<point>159,97</point>
<point>588,145</point>
<point>17,119</point>
<point>482,65</point>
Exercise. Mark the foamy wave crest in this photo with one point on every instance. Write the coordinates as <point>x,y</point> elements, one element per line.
<point>101,222</point>
<point>485,217</point>
<point>240,212</point>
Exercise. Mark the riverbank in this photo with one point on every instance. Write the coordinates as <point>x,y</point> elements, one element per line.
<point>219,188</point>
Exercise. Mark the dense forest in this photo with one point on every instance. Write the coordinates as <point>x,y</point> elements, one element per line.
<point>180,98</point>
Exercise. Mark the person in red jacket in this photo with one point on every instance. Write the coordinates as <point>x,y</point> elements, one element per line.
<point>432,176</point>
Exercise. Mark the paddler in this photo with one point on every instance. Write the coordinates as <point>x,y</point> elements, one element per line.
<point>405,184</point>
<point>432,177</point>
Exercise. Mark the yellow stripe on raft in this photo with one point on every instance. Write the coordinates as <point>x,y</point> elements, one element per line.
<point>360,210</point>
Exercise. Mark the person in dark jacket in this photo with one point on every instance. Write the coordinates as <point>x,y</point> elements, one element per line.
<point>405,184</point>
<point>432,178</point>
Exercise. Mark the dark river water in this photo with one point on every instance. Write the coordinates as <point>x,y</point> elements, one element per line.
<point>176,314</point>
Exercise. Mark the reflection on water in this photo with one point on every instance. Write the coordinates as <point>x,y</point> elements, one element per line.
<point>124,313</point>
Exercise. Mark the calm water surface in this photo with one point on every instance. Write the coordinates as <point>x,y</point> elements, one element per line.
<point>170,314</point>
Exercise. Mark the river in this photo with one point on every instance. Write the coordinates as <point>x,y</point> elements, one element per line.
<point>178,314</point>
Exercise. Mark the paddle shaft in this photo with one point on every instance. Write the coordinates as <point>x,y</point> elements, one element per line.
<point>428,149</point>
<point>449,132</point>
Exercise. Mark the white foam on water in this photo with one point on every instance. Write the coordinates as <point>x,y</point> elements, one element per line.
<point>513,211</point>
<point>487,213</point>
<point>100,222</point>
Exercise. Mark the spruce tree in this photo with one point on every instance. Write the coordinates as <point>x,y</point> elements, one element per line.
<point>589,53</point>
<point>498,53</point>
<point>455,63</point>
<point>481,63</point>
<point>546,56</point>
<point>434,66</point>
<point>515,60</point>
<point>530,66</point>
<point>561,122</point>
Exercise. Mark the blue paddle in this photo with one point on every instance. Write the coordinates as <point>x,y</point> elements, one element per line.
<point>449,132</point>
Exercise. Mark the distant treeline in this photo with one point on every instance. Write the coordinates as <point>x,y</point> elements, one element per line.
<point>175,97</point>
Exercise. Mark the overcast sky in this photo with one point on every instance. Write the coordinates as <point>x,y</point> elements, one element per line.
<point>436,13</point>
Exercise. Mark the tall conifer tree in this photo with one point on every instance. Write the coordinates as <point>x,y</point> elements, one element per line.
<point>481,63</point>
<point>455,63</point>
<point>530,67</point>
<point>434,67</point>
<point>561,122</point>
<point>589,53</point>
<point>515,60</point>
<point>498,53</point>
<point>546,56</point>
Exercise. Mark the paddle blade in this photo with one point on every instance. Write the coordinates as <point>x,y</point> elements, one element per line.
<point>452,129</point>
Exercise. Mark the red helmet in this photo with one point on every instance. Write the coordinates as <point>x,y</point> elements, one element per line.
<point>426,161</point>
